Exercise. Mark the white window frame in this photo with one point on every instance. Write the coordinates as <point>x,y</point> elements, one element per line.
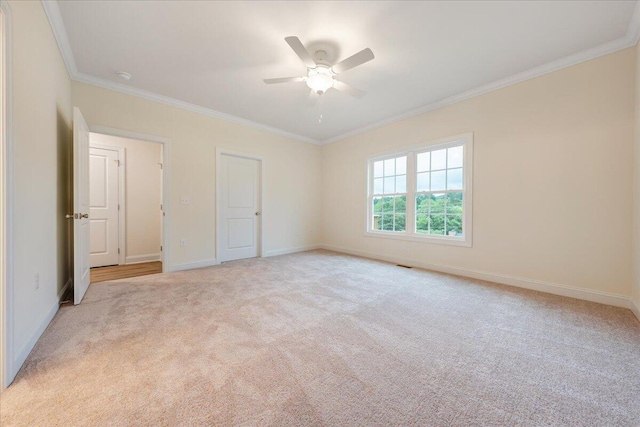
<point>466,240</point>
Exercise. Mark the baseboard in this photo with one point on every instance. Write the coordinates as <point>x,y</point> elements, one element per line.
<point>192,265</point>
<point>277,252</point>
<point>32,338</point>
<point>536,285</point>
<point>64,288</point>
<point>137,259</point>
<point>635,309</point>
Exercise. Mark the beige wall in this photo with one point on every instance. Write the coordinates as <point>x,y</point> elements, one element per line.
<point>636,192</point>
<point>292,203</point>
<point>552,179</point>
<point>41,174</point>
<point>142,195</point>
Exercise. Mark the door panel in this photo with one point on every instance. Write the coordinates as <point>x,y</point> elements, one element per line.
<point>81,177</point>
<point>104,198</point>
<point>239,207</point>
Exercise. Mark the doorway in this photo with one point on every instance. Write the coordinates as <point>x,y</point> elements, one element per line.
<point>126,207</point>
<point>239,206</point>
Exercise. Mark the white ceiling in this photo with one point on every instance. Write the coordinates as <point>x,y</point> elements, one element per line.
<point>215,54</point>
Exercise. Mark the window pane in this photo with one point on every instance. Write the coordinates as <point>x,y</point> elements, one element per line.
<point>389,185</point>
<point>401,184</point>
<point>454,157</point>
<point>454,203</point>
<point>377,205</point>
<point>387,222</point>
<point>399,224</point>
<point>377,186</point>
<point>423,181</point>
<point>438,159</point>
<point>438,180</point>
<point>454,179</point>
<point>387,204</point>
<point>401,165</point>
<point>454,225</point>
<point>389,167</point>
<point>423,161</point>
<point>401,204</point>
<point>422,223</point>
<point>436,205</point>
<point>436,225</point>
<point>378,170</point>
<point>422,203</point>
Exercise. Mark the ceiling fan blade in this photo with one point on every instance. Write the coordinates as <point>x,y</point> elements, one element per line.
<point>302,52</point>
<point>343,87</point>
<point>353,61</point>
<point>284,80</point>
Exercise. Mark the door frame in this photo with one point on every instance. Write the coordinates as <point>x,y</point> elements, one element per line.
<point>6,203</point>
<point>165,254</point>
<point>122,225</point>
<point>219,153</point>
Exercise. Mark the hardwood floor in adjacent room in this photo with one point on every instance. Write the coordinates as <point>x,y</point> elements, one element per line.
<point>102,274</point>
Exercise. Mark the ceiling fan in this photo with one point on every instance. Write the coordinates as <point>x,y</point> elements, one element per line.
<point>320,75</point>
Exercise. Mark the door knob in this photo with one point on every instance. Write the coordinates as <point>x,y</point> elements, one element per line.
<point>257,213</point>
<point>69,216</point>
<point>84,216</point>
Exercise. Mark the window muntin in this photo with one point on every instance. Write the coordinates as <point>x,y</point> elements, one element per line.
<point>427,195</point>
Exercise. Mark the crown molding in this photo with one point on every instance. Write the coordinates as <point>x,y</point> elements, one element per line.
<point>151,96</point>
<point>54,16</point>
<point>630,39</point>
<point>57,25</point>
<point>55,19</point>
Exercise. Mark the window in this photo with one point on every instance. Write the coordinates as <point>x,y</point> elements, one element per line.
<point>423,194</point>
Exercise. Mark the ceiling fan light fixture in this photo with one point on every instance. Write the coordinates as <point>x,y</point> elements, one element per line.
<point>320,79</point>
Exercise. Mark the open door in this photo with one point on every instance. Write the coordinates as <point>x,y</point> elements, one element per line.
<point>80,206</point>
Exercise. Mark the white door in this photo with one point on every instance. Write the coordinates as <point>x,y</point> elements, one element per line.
<point>103,213</point>
<point>239,207</point>
<point>80,206</point>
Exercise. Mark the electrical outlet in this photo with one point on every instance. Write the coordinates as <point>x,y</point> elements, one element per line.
<point>183,243</point>
<point>36,281</point>
<point>185,201</point>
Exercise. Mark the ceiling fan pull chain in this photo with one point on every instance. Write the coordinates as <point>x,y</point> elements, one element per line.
<point>320,108</point>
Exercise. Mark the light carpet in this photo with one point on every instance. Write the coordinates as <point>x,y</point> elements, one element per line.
<point>324,339</point>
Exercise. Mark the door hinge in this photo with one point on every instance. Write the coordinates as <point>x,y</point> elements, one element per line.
<point>160,165</point>
<point>118,206</point>
<point>160,248</point>
<point>117,162</point>
<point>160,207</point>
<point>118,251</point>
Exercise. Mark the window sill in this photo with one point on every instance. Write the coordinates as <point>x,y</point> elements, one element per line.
<point>444,240</point>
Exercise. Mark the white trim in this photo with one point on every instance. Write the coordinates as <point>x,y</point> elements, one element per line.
<point>151,96</point>
<point>55,19</point>
<point>54,16</point>
<point>137,259</point>
<point>536,285</point>
<point>630,39</point>
<point>277,252</point>
<point>218,166</point>
<point>122,188</point>
<point>32,337</point>
<point>192,265</point>
<point>7,373</point>
<point>166,180</point>
<point>634,309</point>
